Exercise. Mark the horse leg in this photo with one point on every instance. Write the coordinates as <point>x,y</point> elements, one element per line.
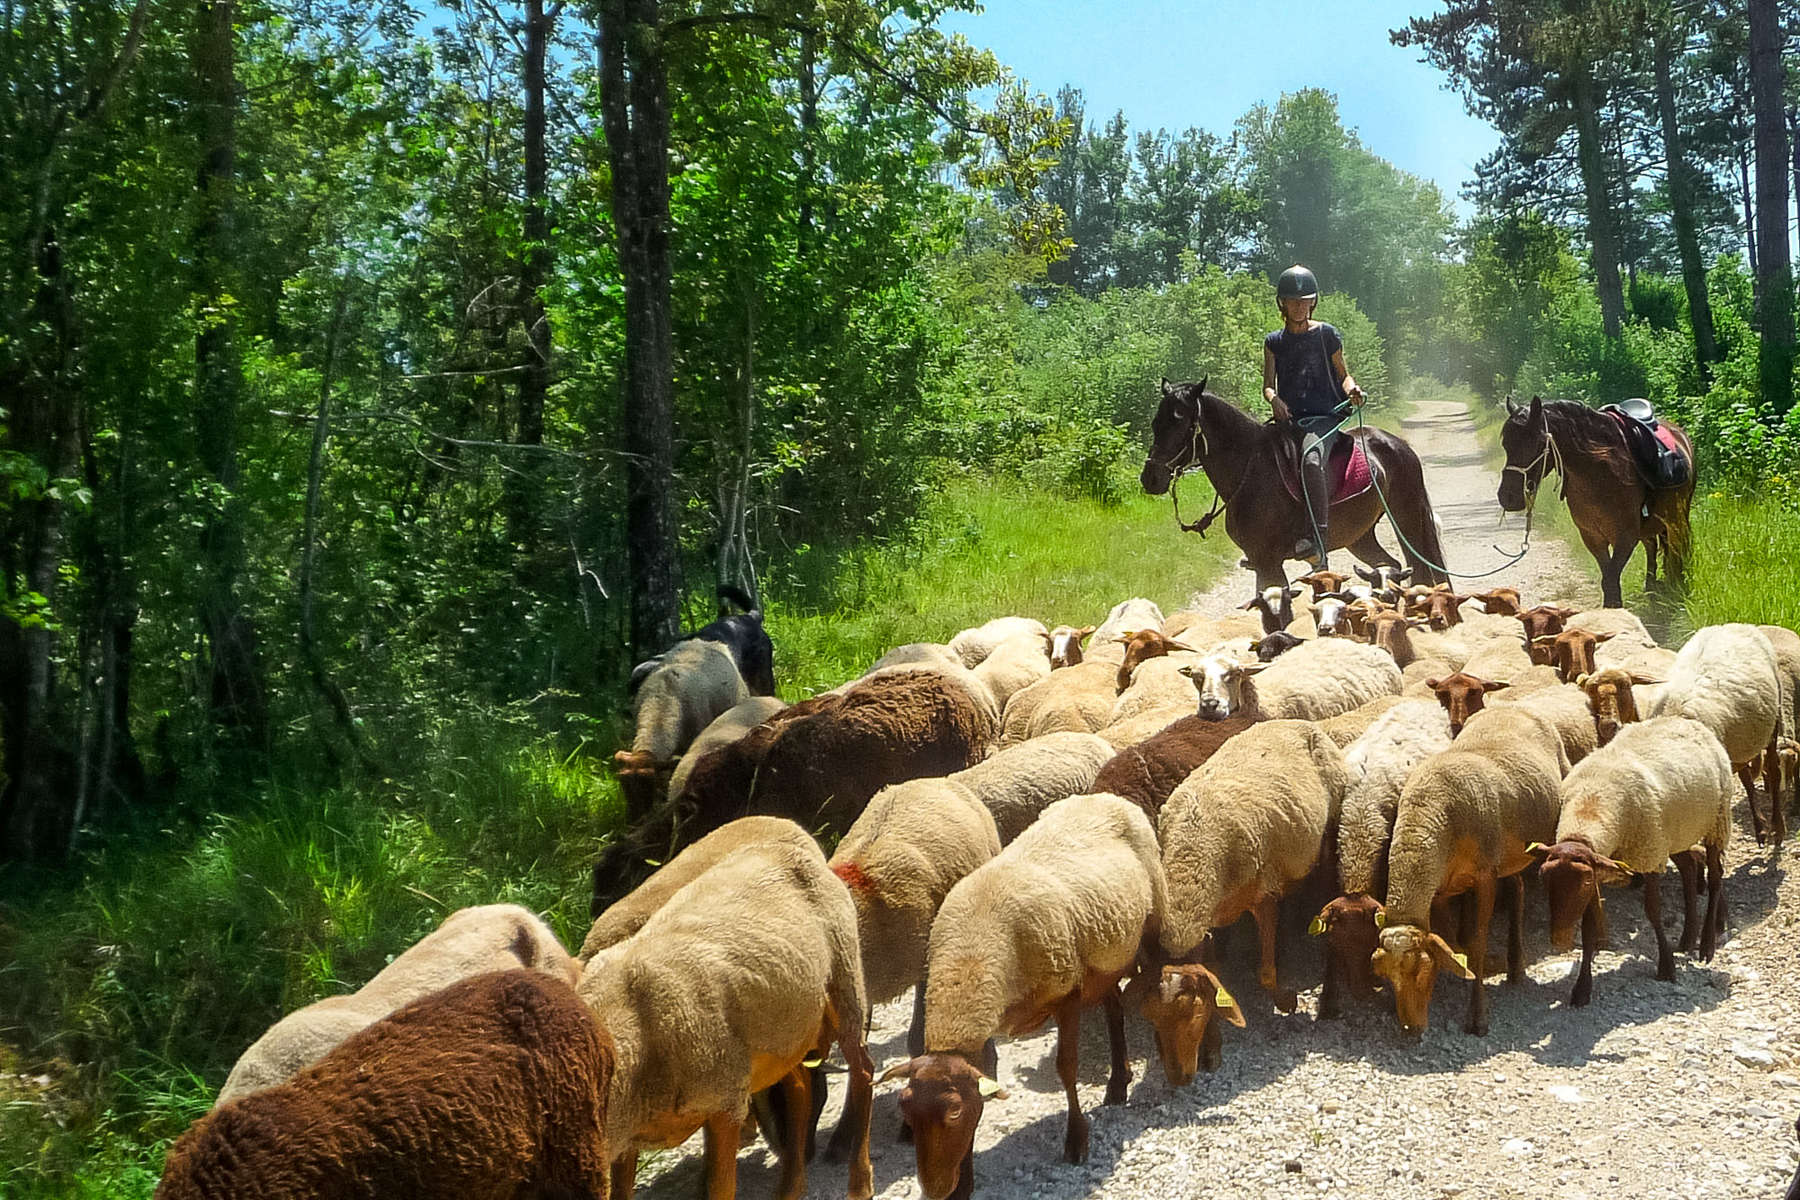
<point>1370,550</point>
<point>1650,559</point>
<point>1598,546</point>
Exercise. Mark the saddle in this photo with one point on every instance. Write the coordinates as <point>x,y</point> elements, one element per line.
<point>1658,456</point>
<point>1346,469</point>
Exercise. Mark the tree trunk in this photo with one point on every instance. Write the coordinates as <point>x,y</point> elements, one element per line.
<point>1775,296</point>
<point>1681,209</point>
<point>635,113</point>
<point>1591,151</point>
<point>1744,193</point>
<point>239,701</point>
<point>534,273</point>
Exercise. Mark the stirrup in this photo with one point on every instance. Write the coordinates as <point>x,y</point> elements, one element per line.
<point>1307,552</point>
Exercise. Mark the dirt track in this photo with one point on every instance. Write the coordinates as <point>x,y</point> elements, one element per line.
<point>1684,1089</point>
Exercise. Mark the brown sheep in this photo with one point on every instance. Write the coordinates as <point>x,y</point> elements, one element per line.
<point>1147,773</point>
<point>1501,602</point>
<point>1325,581</point>
<point>1462,695</point>
<point>1142,646</point>
<point>493,1088</point>
<point>1065,645</point>
<point>1613,702</point>
<point>1571,651</point>
<point>1546,620</point>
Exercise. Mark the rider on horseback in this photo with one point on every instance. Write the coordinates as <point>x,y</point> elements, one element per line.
<point>1306,382</point>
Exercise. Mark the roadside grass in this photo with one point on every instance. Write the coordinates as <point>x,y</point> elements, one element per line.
<point>134,978</point>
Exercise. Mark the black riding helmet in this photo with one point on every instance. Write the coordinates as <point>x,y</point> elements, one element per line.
<point>1297,283</point>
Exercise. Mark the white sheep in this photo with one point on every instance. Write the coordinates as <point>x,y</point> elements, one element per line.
<point>471,941</point>
<point>726,728</point>
<point>1143,726</point>
<point>1156,684</point>
<point>1077,699</point>
<point>1058,917</point>
<point>917,654</point>
<point>1727,678</point>
<point>1655,791</point>
<point>1465,820</point>
<point>1565,706</point>
<point>1320,679</point>
<point>1014,665</point>
<point>1379,762</point>
<point>627,915</point>
<point>1018,783</point>
<point>974,645</point>
<point>1197,629</point>
<point>743,976</point>
<point>1241,831</point>
<point>1345,728</point>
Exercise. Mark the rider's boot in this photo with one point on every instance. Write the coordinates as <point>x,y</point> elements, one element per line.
<point>1318,501</point>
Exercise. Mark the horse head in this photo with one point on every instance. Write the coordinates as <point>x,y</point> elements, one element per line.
<point>1176,435</point>
<point>1525,437</point>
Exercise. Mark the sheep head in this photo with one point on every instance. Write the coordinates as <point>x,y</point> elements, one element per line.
<point>1501,602</point>
<point>1409,958</point>
<point>1276,604</point>
<point>1324,582</point>
<point>1573,873</point>
<point>942,1104</point>
<point>1611,699</point>
<point>1441,610</point>
<point>1224,685</point>
<point>1143,645</point>
<point>1332,614</point>
<point>1181,1003</point>
<point>1571,651</point>
<point>1462,695</point>
<point>1271,646</point>
<point>1545,620</point>
<point>1065,645</point>
<point>1352,931</point>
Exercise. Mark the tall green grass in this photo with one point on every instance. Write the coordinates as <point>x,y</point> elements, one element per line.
<point>133,980</point>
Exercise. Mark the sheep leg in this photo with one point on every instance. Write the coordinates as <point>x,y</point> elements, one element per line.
<point>1477,1023</point>
<point>1590,945</point>
<point>1772,788</point>
<point>721,1157</point>
<point>1715,903</point>
<point>1331,1004</point>
<point>1120,1079</point>
<point>796,1095</point>
<point>859,1102</point>
<point>915,1033</point>
<point>1689,865</point>
<point>1068,1050</point>
<point>1747,776</point>
<point>1211,1047</point>
<point>1515,934</point>
<point>624,1176</point>
<point>1665,956</point>
<point>1266,913</point>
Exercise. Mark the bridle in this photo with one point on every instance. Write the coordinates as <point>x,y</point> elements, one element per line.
<point>1198,448</point>
<point>1551,454</point>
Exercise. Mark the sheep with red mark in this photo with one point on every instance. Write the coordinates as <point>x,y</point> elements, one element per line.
<point>1065,645</point>
<point>471,941</point>
<point>1464,823</point>
<point>1379,764</point>
<point>742,977</point>
<point>1654,792</point>
<point>626,916</point>
<point>1040,932</point>
<point>1239,834</point>
<point>974,645</point>
<point>1323,678</point>
<point>1727,678</point>
<point>1020,782</point>
<point>674,696</point>
<point>491,1088</point>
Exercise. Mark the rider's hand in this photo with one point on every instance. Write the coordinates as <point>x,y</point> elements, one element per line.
<point>1355,394</point>
<point>1281,409</point>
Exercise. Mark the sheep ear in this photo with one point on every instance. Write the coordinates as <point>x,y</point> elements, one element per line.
<point>1646,680</point>
<point>1187,671</point>
<point>1183,646</point>
<point>1381,918</point>
<point>1365,573</point>
<point>1494,685</point>
<point>1614,871</point>
<point>1434,684</point>
<point>813,1061</point>
<point>640,673</point>
<point>1086,631</point>
<point>1167,387</point>
<point>990,1089</point>
<point>1402,573</point>
<point>1256,645</point>
<point>1581,680</point>
<point>1203,380</point>
<point>1251,668</point>
<point>902,1070</point>
<point>1249,604</point>
<point>1446,958</point>
<point>1538,850</point>
<point>1605,637</point>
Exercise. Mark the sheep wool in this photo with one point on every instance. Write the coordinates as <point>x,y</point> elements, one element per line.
<point>1149,771</point>
<point>1075,699</point>
<point>693,682</point>
<point>1018,783</point>
<point>1323,678</point>
<point>1658,788</point>
<point>1127,616</point>
<point>1380,762</point>
<point>492,1088</point>
<point>1727,678</point>
<point>1345,728</point>
<point>1013,665</point>
<point>726,728</point>
<point>973,646</point>
<point>1072,897</point>
<point>471,941</point>
<point>909,847</point>
<point>1247,825</point>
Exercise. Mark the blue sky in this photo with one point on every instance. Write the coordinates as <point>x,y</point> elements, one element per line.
<point>1204,63</point>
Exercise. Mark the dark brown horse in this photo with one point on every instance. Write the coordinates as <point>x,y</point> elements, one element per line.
<point>1194,428</point>
<point>1612,507</point>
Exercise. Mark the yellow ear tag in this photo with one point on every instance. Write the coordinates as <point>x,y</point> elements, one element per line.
<point>1380,919</point>
<point>1535,847</point>
<point>1624,866</point>
<point>1317,927</point>
<point>1222,999</point>
<point>988,1088</point>
<point>1462,960</point>
<point>813,1062</point>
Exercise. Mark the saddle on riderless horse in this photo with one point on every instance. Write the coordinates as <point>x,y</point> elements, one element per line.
<point>1659,458</point>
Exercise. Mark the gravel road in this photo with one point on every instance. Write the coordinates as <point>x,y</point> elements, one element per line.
<point>1684,1089</point>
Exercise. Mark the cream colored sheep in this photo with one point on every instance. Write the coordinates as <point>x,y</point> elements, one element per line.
<point>1320,679</point>
<point>1077,699</point>
<point>1014,665</point>
<point>1621,624</point>
<point>1345,728</point>
<point>1197,629</point>
<point>1655,791</point>
<point>1409,642</point>
<point>471,941</point>
<point>1727,678</point>
<point>917,654</point>
<point>1477,627</point>
<point>1156,684</point>
<point>741,977</point>
<point>1565,706</point>
<point>726,728</point>
<point>691,684</point>
<point>1018,783</point>
<point>1379,761</point>
<point>627,915</point>
<point>1786,644</point>
<point>974,645</point>
<point>1239,833</point>
<point>1465,820</point>
<point>1058,917</point>
<point>1126,617</point>
<point>1499,659</point>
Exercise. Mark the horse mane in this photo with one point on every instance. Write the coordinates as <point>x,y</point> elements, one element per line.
<point>1586,431</point>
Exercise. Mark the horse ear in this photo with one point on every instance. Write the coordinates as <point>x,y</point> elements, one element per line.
<point>1512,406</point>
<point>1167,387</point>
<point>1537,407</point>
<point>1203,380</point>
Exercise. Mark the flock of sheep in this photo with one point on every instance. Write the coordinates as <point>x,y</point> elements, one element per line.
<point>1027,829</point>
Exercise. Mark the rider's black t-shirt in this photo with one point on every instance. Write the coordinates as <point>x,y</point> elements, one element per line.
<point>1304,377</point>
